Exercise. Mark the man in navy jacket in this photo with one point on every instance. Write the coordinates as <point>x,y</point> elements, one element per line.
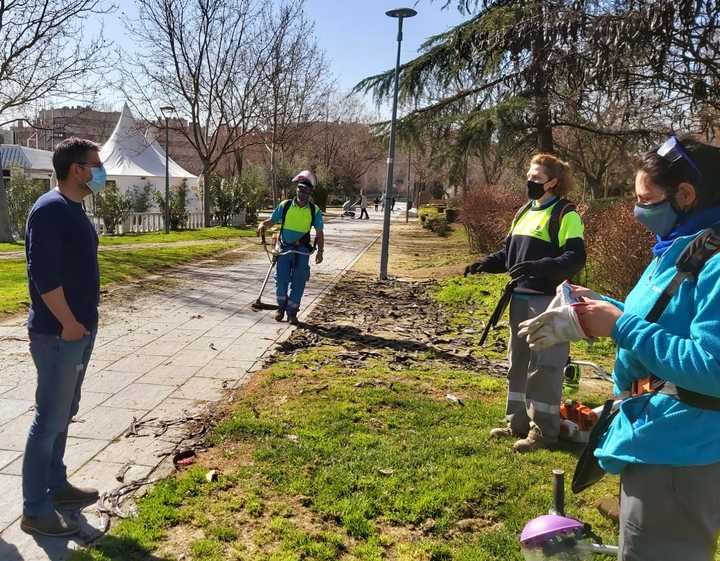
<point>64,284</point>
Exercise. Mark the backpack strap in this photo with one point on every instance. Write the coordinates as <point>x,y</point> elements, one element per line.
<point>519,214</point>
<point>287,204</point>
<point>561,208</point>
<point>688,265</point>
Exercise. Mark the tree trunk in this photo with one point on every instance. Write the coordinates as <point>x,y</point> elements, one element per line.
<point>239,161</point>
<point>540,92</point>
<point>206,196</point>
<point>544,129</point>
<point>273,182</point>
<point>5,231</point>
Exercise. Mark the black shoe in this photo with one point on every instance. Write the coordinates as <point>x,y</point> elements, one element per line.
<point>293,320</point>
<point>51,524</point>
<point>74,497</point>
<point>279,315</point>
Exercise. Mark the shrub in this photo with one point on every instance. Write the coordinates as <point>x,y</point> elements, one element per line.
<point>227,196</point>
<point>141,197</point>
<point>178,205</point>
<point>22,193</point>
<point>619,248</point>
<point>112,206</point>
<point>487,212</point>
<point>427,212</point>
<point>437,223</point>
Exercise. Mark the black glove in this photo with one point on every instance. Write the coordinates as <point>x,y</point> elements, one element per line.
<point>540,268</point>
<point>474,269</point>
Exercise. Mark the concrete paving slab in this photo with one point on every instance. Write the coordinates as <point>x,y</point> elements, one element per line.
<point>216,344</point>
<point>139,396</point>
<point>174,407</point>
<point>164,348</point>
<point>104,423</point>
<point>10,499</point>
<point>225,370</point>
<point>78,452</point>
<point>136,363</point>
<point>190,357</point>
<point>108,381</point>
<point>89,400</point>
<point>142,450</point>
<point>20,546</point>
<point>205,389</point>
<point>12,408</point>
<point>13,434</point>
<point>171,375</point>
<point>7,457</point>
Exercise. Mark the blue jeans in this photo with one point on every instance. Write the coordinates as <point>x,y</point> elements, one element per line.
<point>61,367</point>
<point>293,270</point>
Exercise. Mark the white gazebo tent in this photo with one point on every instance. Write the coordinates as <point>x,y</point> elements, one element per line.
<point>132,158</point>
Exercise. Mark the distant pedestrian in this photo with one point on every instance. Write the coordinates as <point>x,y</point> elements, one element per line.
<point>376,201</point>
<point>64,281</point>
<point>392,203</point>
<point>363,206</point>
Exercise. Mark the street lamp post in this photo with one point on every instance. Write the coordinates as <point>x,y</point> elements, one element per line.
<point>400,14</point>
<point>166,111</point>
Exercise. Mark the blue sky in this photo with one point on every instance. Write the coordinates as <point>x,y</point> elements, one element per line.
<point>356,35</point>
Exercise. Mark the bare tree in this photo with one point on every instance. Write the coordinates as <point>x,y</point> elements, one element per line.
<point>205,58</point>
<point>44,54</point>
<point>296,83</point>
<point>342,146</point>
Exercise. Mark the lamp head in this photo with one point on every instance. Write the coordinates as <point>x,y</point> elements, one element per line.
<point>401,13</point>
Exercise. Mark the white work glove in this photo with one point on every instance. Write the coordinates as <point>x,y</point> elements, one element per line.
<point>552,327</point>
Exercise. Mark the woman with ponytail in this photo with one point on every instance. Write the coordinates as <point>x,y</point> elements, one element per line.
<point>543,248</point>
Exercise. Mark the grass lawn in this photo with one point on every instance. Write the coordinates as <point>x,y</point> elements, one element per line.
<point>114,266</point>
<point>326,463</point>
<point>216,233</point>
<point>6,247</point>
<point>323,459</point>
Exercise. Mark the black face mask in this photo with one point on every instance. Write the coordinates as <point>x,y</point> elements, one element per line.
<point>535,190</point>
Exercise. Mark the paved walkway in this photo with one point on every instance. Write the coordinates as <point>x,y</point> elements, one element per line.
<point>166,352</point>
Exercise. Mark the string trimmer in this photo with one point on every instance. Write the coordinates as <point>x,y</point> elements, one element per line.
<point>272,257</point>
<point>556,537</point>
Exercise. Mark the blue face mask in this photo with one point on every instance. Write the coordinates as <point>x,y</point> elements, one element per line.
<point>98,179</point>
<point>660,218</point>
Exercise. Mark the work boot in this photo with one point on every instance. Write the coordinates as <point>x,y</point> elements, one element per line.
<point>504,432</point>
<point>74,497</point>
<point>51,524</point>
<point>293,319</point>
<point>280,314</point>
<point>533,441</point>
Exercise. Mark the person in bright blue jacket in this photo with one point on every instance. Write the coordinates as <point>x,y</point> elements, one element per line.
<point>667,451</point>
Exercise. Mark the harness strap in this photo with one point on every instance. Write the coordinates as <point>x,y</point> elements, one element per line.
<point>688,265</point>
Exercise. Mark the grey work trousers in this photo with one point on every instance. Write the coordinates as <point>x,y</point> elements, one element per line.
<point>535,378</point>
<point>669,513</point>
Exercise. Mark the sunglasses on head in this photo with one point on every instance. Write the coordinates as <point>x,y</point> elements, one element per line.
<point>672,151</point>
